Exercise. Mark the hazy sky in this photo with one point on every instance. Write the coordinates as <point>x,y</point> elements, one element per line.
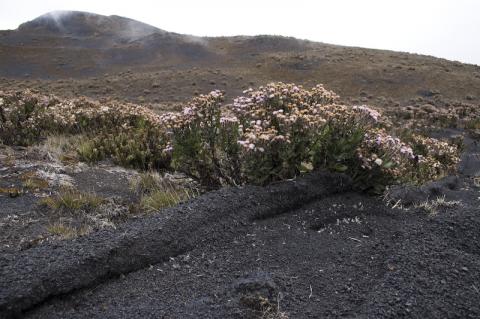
<point>443,28</point>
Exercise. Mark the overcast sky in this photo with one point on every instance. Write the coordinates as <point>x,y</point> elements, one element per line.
<point>443,28</point>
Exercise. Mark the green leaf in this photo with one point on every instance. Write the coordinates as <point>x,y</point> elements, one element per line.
<point>388,164</point>
<point>340,168</point>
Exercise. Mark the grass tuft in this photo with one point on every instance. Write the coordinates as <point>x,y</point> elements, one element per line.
<point>72,199</point>
<point>146,182</point>
<point>431,207</point>
<point>11,191</point>
<point>67,232</point>
<point>164,198</point>
<point>32,182</point>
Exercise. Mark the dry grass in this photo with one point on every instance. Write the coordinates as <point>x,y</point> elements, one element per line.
<point>60,146</point>
<point>431,207</point>
<point>158,192</point>
<point>349,71</point>
<point>146,182</point>
<point>11,191</point>
<point>263,307</point>
<point>273,313</point>
<point>67,232</point>
<point>164,198</point>
<point>68,159</point>
<point>72,199</point>
<point>7,156</point>
<point>32,182</point>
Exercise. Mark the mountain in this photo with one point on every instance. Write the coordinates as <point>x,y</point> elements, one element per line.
<point>80,53</point>
<point>85,24</point>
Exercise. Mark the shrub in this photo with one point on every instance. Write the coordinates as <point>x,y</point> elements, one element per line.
<point>203,142</point>
<point>130,134</point>
<point>448,114</point>
<point>18,114</point>
<point>433,158</point>
<point>278,123</point>
<point>137,147</point>
<point>269,134</point>
<point>26,117</point>
<point>88,152</point>
<point>275,132</point>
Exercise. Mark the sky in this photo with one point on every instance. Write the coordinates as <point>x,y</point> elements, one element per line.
<point>443,28</point>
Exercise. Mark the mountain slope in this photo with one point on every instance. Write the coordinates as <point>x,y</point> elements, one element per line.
<point>77,53</point>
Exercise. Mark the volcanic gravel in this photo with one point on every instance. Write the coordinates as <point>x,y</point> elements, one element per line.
<point>309,248</point>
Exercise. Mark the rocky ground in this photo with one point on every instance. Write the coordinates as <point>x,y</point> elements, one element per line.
<point>307,248</point>
<point>32,175</point>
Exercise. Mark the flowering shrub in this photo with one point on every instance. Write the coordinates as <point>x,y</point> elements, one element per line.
<point>203,143</point>
<point>280,130</point>
<point>433,158</point>
<point>269,134</point>
<point>25,116</point>
<point>278,124</point>
<point>446,114</point>
<point>130,134</point>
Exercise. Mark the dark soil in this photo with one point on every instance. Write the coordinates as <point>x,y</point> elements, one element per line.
<point>306,249</point>
<point>381,265</point>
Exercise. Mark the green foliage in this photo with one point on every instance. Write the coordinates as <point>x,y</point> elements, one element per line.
<point>15,114</point>
<point>142,148</point>
<point>274,133</point>
<point>145,183</point>
<point>335,148</point>
<point>473,124</point>
<point>89,152</point>
<point>206,147</point>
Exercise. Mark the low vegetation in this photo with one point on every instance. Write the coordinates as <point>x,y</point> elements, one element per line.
<point>431,207</point>
<point>276,132</point>
<point>157,192</point>
<point>33,182</point>
<point>445,113</point>
<point>280,130</point>
<point>73,200</point>
<point>159,199</point>
<point>64,231</point>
